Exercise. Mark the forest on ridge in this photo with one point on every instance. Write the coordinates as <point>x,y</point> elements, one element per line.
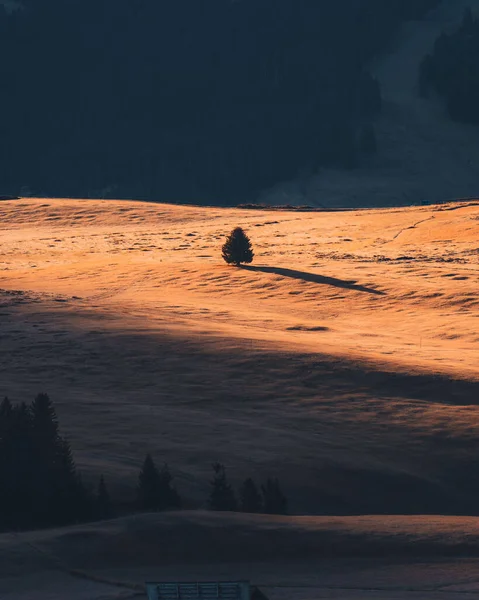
<point>122,98</point>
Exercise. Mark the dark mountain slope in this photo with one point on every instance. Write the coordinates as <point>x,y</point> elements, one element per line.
<point>183,100</point>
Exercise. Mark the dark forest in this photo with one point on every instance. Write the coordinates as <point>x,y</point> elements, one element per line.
<point>123,98</point>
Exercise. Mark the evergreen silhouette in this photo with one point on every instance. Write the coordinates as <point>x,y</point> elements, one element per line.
<point>21,467</point>
<point>39,485</point>
<point>250,498</point>
<point>274,501</point>
<point>6,463</point>
<point>60,496</point>
<point>103,504</point>
<point>82,502</point>
<point>237,248</point>
<point>155,492</point>
<point>169,495</point>
<point>47,456</point>
<point>44,419</point>
<point>149,486</point>
<point>222,497</point>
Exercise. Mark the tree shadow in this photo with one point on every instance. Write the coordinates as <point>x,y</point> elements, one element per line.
<point>314,278</point>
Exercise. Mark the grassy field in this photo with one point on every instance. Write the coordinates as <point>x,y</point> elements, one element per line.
<point>343,361</point>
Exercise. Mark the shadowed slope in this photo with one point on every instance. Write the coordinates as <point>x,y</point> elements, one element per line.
<point>150,539</point>
<point>288,558</point>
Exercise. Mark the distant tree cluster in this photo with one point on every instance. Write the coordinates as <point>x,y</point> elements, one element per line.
<point>452,70</point>
<point>155,491</point>
<point>41,487</point>
<point>39,483</point>
<point>268,499</point>
<point>186,100</point>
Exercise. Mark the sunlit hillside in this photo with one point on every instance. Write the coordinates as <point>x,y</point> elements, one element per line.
<point>343,360</point>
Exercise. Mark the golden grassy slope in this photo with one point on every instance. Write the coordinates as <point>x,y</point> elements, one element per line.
<point>351,343</point>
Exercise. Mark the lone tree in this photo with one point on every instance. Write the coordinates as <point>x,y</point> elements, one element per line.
<point>237,248</point>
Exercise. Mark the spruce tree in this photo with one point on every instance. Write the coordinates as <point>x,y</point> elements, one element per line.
<point>149,486</point>
<point>250,498</point>
<point>44,419</point>
<point>103,504</point>
<point>237,249</point>
<point>21,469</point>
<point>169,497</point>
<point>222,496</point>
<point>6,417</point>
<point>46,442</point>
<point>6,471</point>
<point>39,485</point>
<point>70,498</point>
<point>6,409</point>
<point>60,496</point>
<point>155,491</point>
<point>274,501</point>
<point>84,502</point>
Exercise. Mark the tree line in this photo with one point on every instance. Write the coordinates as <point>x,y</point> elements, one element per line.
<point>451,70</point>
<point>40,485</point>
<point>183,100</point>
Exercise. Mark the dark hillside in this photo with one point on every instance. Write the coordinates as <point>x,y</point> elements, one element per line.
<point>183,100</point>
<point>452,71</point>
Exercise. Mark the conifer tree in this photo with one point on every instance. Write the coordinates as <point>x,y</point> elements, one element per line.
<point>21,469</point>
<point>83,505</point>
<point>222,496</point>
<point>155,491</point>
<point>103,504</point>
<point>274,501</point>
<point>237,249</point>
<point>70,500</point>
<point>60,496</point>
<point>39,485</point>
<point>46,449</point>
<point>6,409</point>
<point>6,471</point>
<point>149,486</point>
<point>44,419</point>
<point>6,417</point>
<point>169,497</point>
<point>250,498</point>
